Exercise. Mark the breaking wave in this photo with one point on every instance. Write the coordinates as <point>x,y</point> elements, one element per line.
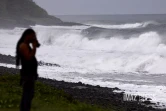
<point>68,47</point>
<point>126,26</point>
<point>140,53</point>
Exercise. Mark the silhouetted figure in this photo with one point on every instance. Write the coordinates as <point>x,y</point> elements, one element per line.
<point>26,55</point>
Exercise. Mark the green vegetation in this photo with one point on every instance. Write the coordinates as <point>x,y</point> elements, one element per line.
<point>46,98</point>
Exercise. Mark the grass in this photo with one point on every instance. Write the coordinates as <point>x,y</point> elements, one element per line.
<point>46,97</point>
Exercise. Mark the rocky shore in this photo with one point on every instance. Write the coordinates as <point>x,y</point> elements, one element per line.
<point>94,95</point>
<point>8,59</point>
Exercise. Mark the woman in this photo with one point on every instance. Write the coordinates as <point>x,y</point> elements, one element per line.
<point>26,55</point>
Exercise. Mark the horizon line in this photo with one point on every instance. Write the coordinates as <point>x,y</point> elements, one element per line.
<point>107,14</point>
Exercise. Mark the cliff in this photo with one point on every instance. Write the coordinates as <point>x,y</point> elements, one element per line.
<point>23,13</point>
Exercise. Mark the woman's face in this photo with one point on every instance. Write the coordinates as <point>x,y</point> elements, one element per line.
<point>31,38</point>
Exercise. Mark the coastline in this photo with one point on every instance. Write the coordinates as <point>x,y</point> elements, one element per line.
<point>94,95</point>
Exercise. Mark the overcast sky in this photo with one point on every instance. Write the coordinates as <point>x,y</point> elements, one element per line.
<point>86,7</point>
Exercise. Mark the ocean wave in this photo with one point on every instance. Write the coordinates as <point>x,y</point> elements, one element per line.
<point>76,27</point>
<point>69,48</point>
<point>145,42</point>
<point>140,53</point>
<point>126,26</point>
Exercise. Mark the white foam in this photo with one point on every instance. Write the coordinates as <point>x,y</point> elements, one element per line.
<point>125,26</point>
<point>104,55</point>
<point>144,53</point>
<point>80,27</point>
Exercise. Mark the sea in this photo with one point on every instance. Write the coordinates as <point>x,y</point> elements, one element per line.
<point>124,51</point>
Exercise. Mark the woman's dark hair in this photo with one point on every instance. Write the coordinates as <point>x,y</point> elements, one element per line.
<point>24,35</point>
